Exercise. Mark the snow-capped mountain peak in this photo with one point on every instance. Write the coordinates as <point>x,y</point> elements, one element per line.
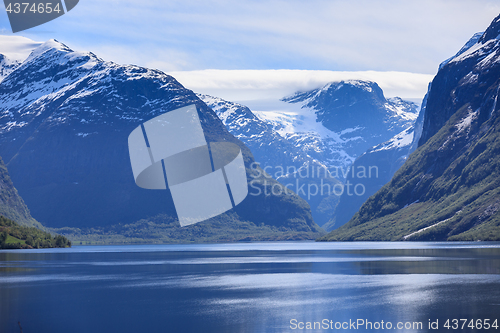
<point>51,45</point>
<point>327,124</point>
<point>354,114</point>
<point>65,118</point>
<point>58,53</point>
<point>296,133</point>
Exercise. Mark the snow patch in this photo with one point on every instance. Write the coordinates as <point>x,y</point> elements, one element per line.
<point>83,135</point>
<point>477,49</point>
<point>289,118</point>
<point>49,45</point>
<point>13,124</point>
<point>429,227</point>
<point>466,122</point>
<point>400,140</point>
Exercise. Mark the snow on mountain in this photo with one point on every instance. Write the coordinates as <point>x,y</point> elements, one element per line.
<point>323,128</point>
<point>268,146</point>
<point>399,141</point>
<point>402,109</point>
<point>57,72</point>
<point>338,122</point>
<point>482,50</point>
<point>386,158</point>
<point>65,117</point>
<point>471,42</point>
<point>7,65</point>
<point>356,104</point>
<point>299,126</point>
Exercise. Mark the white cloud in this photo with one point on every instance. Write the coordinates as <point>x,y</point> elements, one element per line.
<point>246,85</point>
<point>384,35</point>
<point>394,38</point>
<point>17,47</point>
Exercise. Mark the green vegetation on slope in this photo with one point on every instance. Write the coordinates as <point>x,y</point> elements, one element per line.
<point>12,205</point>
<point>457,201</point>
<point>449,188</point>
<point>163,229</point>
<point>14,236</point>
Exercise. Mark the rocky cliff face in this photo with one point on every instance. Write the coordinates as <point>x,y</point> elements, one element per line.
<point>448,189</point>
<point>12,205</point>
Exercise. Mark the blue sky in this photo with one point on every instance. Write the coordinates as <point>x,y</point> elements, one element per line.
<point>181,36</point>
<point>388,35</point>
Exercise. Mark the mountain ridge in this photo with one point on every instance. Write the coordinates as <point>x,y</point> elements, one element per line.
<point>294,139</point>
<point>448,187</point>
<point>64,121</point>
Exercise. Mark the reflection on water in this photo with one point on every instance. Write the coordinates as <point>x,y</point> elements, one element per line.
<point>255,287</point>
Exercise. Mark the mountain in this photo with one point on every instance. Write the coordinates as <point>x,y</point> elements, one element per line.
<point>357,116</point>
<point>279,157</point>
<point>269,148</point>
<point>12,205</point>
<point>294,144</point>
<point>65,117</point>
<point>7,65</point>
<point>448,189</point>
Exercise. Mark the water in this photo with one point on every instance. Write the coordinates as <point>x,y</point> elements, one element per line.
<point>249,287</point>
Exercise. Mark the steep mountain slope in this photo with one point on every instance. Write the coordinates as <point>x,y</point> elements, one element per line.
<point>449,187</point>
<point>12,205</point>
<point>65,117</point>
<point>7,65</point>
<point>381,162</point>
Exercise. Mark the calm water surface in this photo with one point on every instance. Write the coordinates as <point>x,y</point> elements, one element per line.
<point>249,287</point>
